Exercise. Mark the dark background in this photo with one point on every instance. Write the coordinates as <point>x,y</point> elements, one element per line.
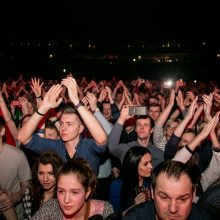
<point>112,24</point>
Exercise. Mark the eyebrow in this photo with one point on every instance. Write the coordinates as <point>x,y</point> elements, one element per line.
<point>181,196</point>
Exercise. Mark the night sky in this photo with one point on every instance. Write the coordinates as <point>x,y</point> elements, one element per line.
<point>111,19</point>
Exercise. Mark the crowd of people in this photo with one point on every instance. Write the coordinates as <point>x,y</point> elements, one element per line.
<point>80,149</point>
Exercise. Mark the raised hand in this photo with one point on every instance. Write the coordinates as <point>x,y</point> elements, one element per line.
<point>92,100</point>
<point>36,86</point>
<point>51,98</point>
<point>207,99</point>
<point>71,86</point>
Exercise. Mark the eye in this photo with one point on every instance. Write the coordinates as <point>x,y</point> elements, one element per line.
<point>59,191</point>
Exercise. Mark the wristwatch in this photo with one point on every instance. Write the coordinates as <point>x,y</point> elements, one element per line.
<point>96,110</point>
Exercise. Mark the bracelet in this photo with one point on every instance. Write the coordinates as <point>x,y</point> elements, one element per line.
<point>38,97</point>
<point>39,113</point>
<point>187,148</point>
<point>41,131</point>
<point>78,105</point>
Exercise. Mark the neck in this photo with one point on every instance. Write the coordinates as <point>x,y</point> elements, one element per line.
<point>1,145</point>
<point>143,142</point>
<point>141,181</point>
<point>71,146</point>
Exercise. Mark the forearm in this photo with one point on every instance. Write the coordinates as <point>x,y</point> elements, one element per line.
<point>181,127</point>
<point>164,115</point>
<point>107,126</point>
<point>30,126</point>
<point>93,125</point>
<point>196,116</point>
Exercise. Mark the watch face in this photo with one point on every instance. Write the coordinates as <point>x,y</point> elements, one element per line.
<point>96,109</point>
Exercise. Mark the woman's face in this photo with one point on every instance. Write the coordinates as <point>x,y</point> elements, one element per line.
<point>145,167</point>
<point>46,176</point>
<point>71,195</point>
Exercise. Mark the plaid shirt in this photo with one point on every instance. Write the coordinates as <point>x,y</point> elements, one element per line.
<point>27,204</point>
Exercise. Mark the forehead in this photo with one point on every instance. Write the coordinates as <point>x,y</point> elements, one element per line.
<point>143,120</point>
<point>69,117</point>
<point>106,105</point>
<point>154,108</point>
<point>145,158</point>
<point>69,180</point>
<point>45,167</point>
<point>172,186</point>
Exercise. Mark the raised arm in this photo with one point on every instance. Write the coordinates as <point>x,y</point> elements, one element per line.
<point>8,118</point>
<point>90,121</point>
<point>51,100</point>
<point>165,114</point>
<point>181,127</point>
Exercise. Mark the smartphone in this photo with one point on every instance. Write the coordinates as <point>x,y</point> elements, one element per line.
<point>139,189</point>
<point>16,103</point>
<point>137,110</point>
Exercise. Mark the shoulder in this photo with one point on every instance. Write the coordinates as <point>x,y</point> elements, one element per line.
<point>101,207</point>
<point>141,211</point>
<point>199,213</point>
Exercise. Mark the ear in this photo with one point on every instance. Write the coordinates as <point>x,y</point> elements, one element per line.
<point>2,132</point>
<point>152,192</point>
<point>88,192</point>
<point>152,130</point>
<point>81,128</point>
<point>194,194</point>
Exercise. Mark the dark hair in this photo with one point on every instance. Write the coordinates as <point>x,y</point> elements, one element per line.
<point>2,122</point>
<point>130,174</point>
<point>51,125</point>
<point>69,109</point>
<point>82,170</point>
<point>37,190</point>
<point>146,117</point>
<point>173,169</point>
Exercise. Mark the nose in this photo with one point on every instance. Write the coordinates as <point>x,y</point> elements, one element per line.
<point>150,165</point>
<point>173,207</point>
<point>66,198</point>
<point>45,178</point>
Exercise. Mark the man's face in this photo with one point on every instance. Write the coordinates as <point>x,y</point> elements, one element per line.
<point>70,127</point>
<point>173,198</point>
<point>154,112</point>
<point>186,138</point>
<point>143,128</point>
<point>51,133</point>
<point>107,112</point>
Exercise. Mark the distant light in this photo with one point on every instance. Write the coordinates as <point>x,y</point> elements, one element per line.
<point>39,44</point>
<point>163,45</point>
<point>134,59</point>
<point>51,56</point>
<point>110,62</point>
<point>218,55</point>
<point>129,45</point>
<point>71,46</point>
<point>139,57</point>
<point>28,43</point>
<point>195,81</point>
<point>94,46</point>
<point>168,44</point>
<point>89,45</point>
<point>203,43</point>
<point>49,44</point>
<point>142,46</point>
<point>168,83</point>
<point>64,70</point>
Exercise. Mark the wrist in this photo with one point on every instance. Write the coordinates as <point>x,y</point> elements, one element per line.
<point>121,121</point>
<point>79,104</point>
